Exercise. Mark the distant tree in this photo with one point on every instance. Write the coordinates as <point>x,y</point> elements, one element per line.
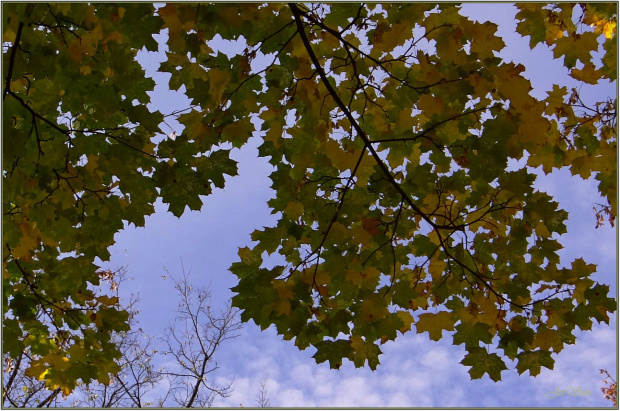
<point>192,341</point>
<point>262,399</point>
<point>390,128</point>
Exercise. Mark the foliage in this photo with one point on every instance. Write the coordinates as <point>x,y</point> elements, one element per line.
<point>610,390</point>
<point>393,131</point>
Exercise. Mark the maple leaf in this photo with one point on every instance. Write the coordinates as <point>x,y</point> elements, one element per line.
<point>482,362</point>
<point>472,334</point>
<point>435,323</point>
<point>588,74</point>
<point>333,351</point>
<point>576,47</point>
<point>532,361</point>
<point>531,19</point>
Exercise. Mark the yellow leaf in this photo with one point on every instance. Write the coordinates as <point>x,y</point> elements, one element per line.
<point>428,72</point>
<point>321,131</point>
<point>487,310</point>
<point>115,36</point>
<point>407,320</point>
<point>373,308</point>
<point>358,277</point>
<point>108,72</point>
<point>387,37</point>
<point>609,29</point>
<point>64,8</point>
<point>282,307</point>
<point>548,339</point>
<point>361,236</point>
<point>588,74</point>
<point>285,293</point>
<point>436,268</point>
<point>92,164</point>
<point>218,80</point>
<point>37,370</point>
<point>90,40</point>
<point>329,40</point>
<point>238,132</point>
<point>340,158</point>
<point>541,230</point>
<point>8,36</point>
<point>284,289</point>
<point>484,40</point>
<point>27,244</point>
<point>105,300</point>
<point>90,19</point>
<point>430,105</point>
<point>357,343</point>
<point>513,86</point>
<point>274,134</point>
<point>322,277</point>
<point>19,84</point>
<point>168,13</point>
<point>365,169</point>
<point>58,362</point>
<point>435,323</point>
<point>294,210</point>
<point>433,236</point>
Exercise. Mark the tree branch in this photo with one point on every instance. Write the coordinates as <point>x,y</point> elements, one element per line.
<point>7,387</point>
<point>354,122</point>
<point>7,87</point>
<point>49,398</point>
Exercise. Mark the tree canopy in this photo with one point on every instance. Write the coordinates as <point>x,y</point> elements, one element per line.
<point>404,153</point>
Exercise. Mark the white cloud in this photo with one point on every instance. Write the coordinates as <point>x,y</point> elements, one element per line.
<point>293,397</point>
<point>437,359</point>
<point>429,376</point>
<point>240,396</point>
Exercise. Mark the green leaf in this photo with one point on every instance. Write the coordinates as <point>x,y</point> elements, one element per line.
<point>531,19</point>
<point>12,337</point>
<point>364,351</point>
<point>532,361</point>
<point>512,341</point>
<point>482,362</point>
<point>577,47</point>
<point>333,351</point>
<point>472,334</point>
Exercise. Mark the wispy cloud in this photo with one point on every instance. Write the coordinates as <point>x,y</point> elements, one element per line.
<point>416,372</point>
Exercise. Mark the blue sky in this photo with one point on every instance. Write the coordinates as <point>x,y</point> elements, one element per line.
<point>414,371</point>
